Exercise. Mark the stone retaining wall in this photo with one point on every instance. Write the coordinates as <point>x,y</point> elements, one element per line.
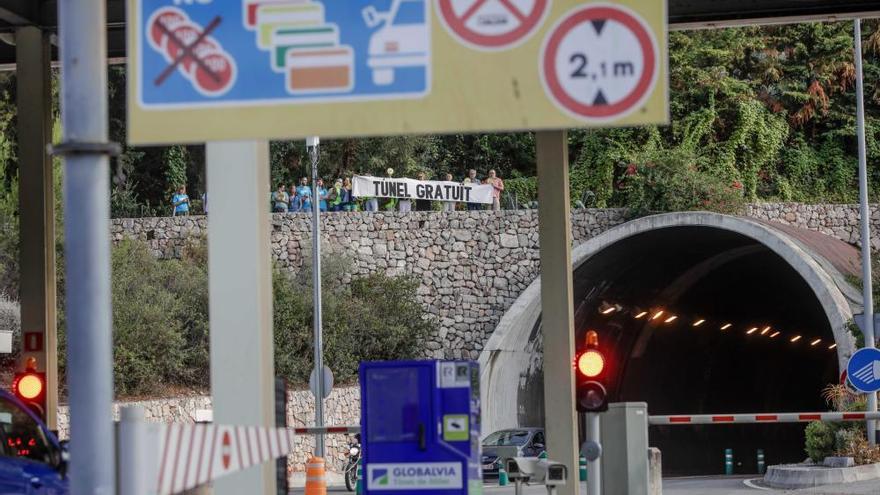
<point>341,408</point>
<point>472,265</point>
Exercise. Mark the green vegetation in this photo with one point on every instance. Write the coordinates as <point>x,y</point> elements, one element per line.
<point>824,439</point>
<point>160,321</point>
<point>757,113</point>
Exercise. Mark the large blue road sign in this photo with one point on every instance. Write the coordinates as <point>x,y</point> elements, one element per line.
<point>258,51</point>
<point>863,370</point>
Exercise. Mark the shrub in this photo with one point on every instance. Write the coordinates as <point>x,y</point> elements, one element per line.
<point>160,321</point>
<point>819,441</point>
<point>370,318</point>
<point>676,180</point>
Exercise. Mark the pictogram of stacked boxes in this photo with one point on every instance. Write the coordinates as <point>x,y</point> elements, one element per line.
<point>302,45</point>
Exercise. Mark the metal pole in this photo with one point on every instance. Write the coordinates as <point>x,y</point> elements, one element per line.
<point>594,468</point>
<point>865,213</point>
<point>83,49</point>
<point>313,146</point>
<point>133,453</point>
<point>557,306</point>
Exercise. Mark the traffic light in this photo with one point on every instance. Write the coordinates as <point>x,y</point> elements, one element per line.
<point>590,369</point>
<point>30,388</point>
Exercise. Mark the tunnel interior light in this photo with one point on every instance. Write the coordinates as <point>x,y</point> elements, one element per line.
<point>775,334</point>
<point>699,322</point>
<point>765,330</point>
<point>671,319</point>
<point>641,315</point>
<point>813,343</point>
<point>658,314</point>
<point>832,346</point>
<point>726,326</point>
<point>752,330</point>
<point>608,310</point>
<point>796,338</point>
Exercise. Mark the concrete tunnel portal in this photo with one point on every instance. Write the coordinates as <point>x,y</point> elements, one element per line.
<point>735,274</point>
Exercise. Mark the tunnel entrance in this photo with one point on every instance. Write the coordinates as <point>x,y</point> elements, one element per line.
<point>702,314</point>
<point>705,321</point>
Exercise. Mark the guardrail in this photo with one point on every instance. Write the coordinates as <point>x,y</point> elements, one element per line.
<point>756,418</point>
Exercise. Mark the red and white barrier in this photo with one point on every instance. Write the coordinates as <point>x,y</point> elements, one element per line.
<point>714,419</point>
<point>165,459</point>
<point>326,430</point>
<point>194,454</point>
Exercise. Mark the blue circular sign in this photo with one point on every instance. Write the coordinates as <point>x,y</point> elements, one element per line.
<point>863,370</point>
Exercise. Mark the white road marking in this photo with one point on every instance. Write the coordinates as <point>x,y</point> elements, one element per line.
<point>753,486</point>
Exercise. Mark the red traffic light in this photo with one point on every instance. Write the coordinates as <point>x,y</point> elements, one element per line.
<point>590,363</point>
<point>28,386</point>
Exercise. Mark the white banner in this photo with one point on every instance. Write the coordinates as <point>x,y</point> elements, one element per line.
<point>378,187</point>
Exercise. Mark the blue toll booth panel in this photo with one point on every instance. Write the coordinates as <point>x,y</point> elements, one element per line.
<point>420,427</point>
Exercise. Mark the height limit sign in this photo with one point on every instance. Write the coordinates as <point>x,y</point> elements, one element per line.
<point>600,62</point>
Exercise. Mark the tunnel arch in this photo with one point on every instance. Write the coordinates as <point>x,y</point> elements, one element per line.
<point>511,361</point>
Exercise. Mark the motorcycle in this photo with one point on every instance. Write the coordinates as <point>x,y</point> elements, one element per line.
<point>351,465</point>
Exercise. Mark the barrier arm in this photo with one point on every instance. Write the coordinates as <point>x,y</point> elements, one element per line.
<point>165,459</point>
<point>711,419</point>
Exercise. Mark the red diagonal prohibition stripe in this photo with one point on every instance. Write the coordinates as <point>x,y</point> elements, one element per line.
<point>513,10</point>
<point>472,10</point>
<point>186,51</point>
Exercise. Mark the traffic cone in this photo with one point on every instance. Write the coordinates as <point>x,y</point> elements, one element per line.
<point>358,486</point>
<point>316,477</point>
<point>503,479</point>
<point>582,469</point>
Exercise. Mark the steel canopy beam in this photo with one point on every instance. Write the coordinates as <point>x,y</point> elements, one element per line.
<point>20,12</point>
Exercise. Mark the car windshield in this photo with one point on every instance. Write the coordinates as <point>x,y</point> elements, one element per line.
<point>412,12</point>
<point>507,438</point>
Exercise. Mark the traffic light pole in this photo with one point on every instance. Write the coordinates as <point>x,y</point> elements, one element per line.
<point>592,431</point>
<point>865,213</point>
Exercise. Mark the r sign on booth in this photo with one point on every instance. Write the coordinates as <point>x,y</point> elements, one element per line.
<point>211,70</point>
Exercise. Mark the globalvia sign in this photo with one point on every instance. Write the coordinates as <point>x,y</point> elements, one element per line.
<point>203,70</point>
<point>378,187</point>
<point>415,476</point>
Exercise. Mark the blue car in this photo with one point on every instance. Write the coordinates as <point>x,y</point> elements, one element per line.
<point>32,460</point>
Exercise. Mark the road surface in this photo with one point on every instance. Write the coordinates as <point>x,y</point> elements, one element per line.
<point>720,485</point>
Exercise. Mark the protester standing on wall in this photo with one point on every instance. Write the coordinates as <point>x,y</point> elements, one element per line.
<point>322,195</point>
<point>498,186</point>
<point>448,205</point>
<point>280,199</point>
<point>304,195</point>
<point>294,205</point>
<point>180,201</point>
<point>348,203</point>
<point>389,204</point>
<point>335,196</point>
<point>423,204</point>
<point>471,180</point>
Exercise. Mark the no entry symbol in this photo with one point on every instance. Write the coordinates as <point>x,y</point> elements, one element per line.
<point>492,24</point>
<point>192,51</point>
<point>600,62</point>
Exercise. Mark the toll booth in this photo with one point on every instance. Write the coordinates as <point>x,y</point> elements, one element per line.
<point>420,425</point>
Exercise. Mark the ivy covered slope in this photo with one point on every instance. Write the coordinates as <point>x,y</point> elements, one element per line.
<point>757,113</point>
